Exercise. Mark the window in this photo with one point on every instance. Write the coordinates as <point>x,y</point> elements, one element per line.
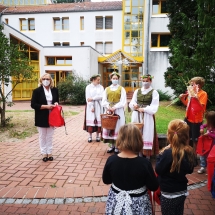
<point>133,27</point>
<point>27,24</point>
<point>99,23</point>
<point>127,6</point>
<point>65,43</point>
<point>99,47</point>
<point>108,22</point>
<point>81,23</point>
<point>108,48</point>
<point>160,40</point>
<point>57,24</point>
<point>6,21</point>
<point>82,43</point>
<point>23,25</point>
<point>59,61</point>
<point>31,24</point>
<point>159,6</point>
<point>65,24</point>
<point>57,44</point>
<point>61,23</point>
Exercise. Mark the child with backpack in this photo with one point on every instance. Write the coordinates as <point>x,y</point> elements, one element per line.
<point>210,126</point>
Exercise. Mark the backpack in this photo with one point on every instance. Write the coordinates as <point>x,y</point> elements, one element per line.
<point>213,185</point>
<point>56,117</point>
<point>204,145</point>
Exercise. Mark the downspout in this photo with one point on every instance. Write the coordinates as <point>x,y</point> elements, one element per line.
<point>147,37</point>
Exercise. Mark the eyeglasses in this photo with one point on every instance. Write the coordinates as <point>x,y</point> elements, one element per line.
<point>45,79</point>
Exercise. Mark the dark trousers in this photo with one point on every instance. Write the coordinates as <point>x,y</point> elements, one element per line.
<point>173,206</point>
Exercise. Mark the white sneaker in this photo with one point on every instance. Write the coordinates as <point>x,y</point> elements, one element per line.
<point>201,170</point>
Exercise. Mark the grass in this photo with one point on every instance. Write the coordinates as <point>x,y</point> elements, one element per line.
<point>164,116</point>
<point>19,111</point>
<point>20,124</point>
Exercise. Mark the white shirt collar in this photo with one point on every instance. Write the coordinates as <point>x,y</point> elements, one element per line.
<point>94,85</point>
<point>114,86</point>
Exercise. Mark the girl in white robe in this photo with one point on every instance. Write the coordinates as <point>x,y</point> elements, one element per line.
<point>114,99</point>
<point>144,104</point>
<point>93,92</point>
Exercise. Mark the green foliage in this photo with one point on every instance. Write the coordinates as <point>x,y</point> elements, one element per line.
<point>192,25</point>
<point>164,96</point>
<point>14,69</point>
<point>164,115</point>
<point>65,88</point>
<point>72,90</point>
<point>53,185</point>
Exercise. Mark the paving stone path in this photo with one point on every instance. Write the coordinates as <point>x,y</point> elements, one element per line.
<point>71,184</point>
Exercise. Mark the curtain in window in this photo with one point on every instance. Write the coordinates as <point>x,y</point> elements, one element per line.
<point>99,22</point>
<point>108,22</point>
<point>108,48</point>
<point>99,47</point>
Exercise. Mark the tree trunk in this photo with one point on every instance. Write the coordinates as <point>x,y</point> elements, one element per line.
<point>2,111</point>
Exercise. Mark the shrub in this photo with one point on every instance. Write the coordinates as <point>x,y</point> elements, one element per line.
<point>164,96</point>
<point>72,90</point>
<point>64,88</point>
<point>77,95</point>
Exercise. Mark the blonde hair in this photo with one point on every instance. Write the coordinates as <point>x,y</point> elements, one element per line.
<point>198,80</point>
<point>51,80</point>
<point>129,138</point>
<point>178,137</point>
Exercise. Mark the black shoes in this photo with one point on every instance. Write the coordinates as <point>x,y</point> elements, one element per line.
<point>48,158</point>
<point>90,139</point>
<point>116,151</point>
<point>45,159</point>
<point>111,149</point>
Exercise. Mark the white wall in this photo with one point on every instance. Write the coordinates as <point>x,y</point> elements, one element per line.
<point>45,35</point>
<point>84,60</point>
<point>158,63</point>
<point>93,59</point>
<point>159,24</point>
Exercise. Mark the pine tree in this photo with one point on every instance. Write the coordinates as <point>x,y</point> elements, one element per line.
<point>192,25</point>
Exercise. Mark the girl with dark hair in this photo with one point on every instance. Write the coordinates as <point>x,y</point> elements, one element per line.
<point>174,162</point>
<point>93,109</point>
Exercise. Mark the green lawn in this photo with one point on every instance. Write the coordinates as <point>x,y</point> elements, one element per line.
<point>164,116</point>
